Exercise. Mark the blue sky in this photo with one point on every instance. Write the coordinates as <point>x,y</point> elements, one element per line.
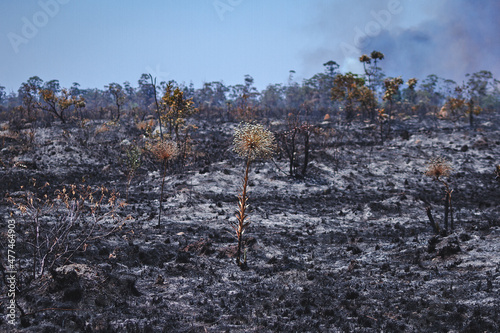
<point>98,42</point>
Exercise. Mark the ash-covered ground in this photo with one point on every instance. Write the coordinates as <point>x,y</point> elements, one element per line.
<point>347,248</point>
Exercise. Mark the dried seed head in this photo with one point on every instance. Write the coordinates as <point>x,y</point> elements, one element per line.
<point>365,58</point>
<point>253,141</point>
<point>164,150</point>
<point>438,167</point>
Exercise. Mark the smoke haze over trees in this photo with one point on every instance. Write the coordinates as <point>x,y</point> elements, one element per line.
<point>93,43</point>
<point>447,38</point>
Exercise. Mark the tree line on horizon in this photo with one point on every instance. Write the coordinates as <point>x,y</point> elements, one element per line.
<point>346,96</point>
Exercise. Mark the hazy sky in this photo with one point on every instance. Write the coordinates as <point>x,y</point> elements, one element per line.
<point>98,42</point>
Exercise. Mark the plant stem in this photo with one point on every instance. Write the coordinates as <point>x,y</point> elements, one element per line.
<point>434,225</point>
<point>153,83</point>
<point>389,117</point>
<point>307,135</point>
<point>446,209</point>
<point>129,180</point>
<point>452,224</point>
<point>381,132</point>
<point>471,113</point>
<point>164,174</point>
<point>241,212</point>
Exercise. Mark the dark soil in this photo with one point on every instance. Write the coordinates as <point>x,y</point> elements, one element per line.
<point>347,248</point>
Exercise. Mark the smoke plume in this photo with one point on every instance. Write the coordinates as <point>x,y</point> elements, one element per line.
<point>448,38</point>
